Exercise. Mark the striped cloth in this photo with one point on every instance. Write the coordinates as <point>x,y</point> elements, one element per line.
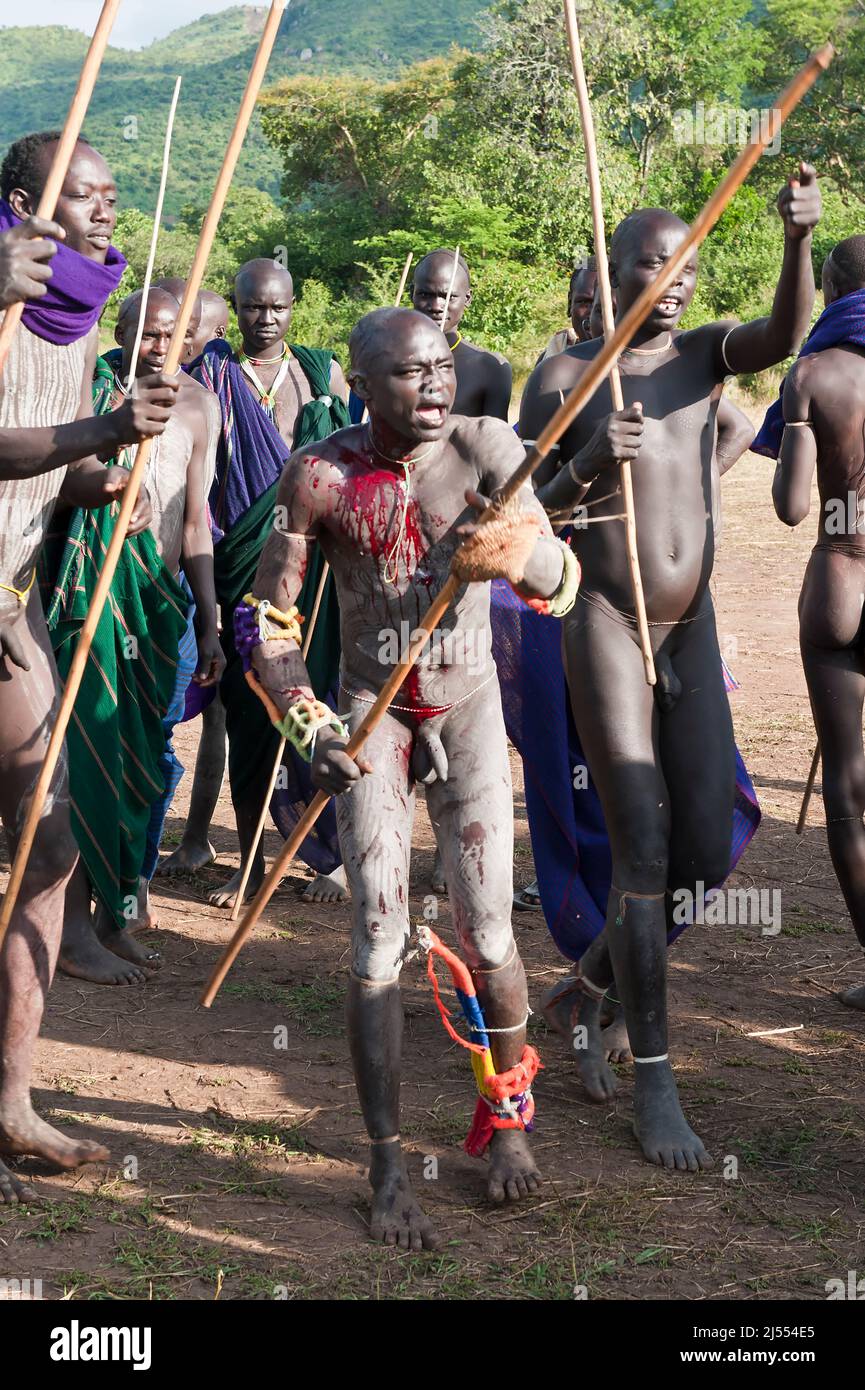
<point>115,740</point>
<point>568,833</point>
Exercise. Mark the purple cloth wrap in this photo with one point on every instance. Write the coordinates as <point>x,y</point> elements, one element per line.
<point>75,295</point>
<point>842,321</point>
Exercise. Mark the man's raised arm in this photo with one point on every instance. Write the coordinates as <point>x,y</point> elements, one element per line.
<point>752,347</point>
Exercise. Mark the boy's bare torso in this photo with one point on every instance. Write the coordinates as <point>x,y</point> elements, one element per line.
<point>679,390</point>
<point>390,560</point>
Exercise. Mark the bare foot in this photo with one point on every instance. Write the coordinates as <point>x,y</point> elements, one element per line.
<point>615,1037</point>
<point>661,1129</point>
<point>327,888</point>
<point>853,998</point>
<point>513,1174</point>
<point>188,857</point>
<point>22,1132</point>
<point>437,877</point>
<point>137,953</point>
<point>559,1004</point>
<point>225,896</point>
<point>397,1219</point>
<point>12,1191</point>
<point>83,956</point>
<point>590,1051</point>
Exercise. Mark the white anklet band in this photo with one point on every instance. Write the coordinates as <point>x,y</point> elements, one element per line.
<point>372,984</point>
<point>596,991</point>
<point>391,1139</point>
<point>514,1028</point>
<point>645,1060</point>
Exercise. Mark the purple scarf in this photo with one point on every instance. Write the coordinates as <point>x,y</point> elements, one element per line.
<point>842,321</point>
<point>76,294</point>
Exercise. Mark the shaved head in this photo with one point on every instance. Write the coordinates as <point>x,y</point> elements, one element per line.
<point>157,298</point>
<point>255,273</point>
<point>846,263</point>
<point>442,254</point>
<point>403,368</point>
<point>214,321</point>
<point>381,332</point>
<point>637,226</point>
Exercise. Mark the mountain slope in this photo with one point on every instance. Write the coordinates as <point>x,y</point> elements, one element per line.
<point>39,68</point>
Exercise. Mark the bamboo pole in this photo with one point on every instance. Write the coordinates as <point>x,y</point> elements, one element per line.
<point>154,240</point>
<point>560,421</point>
<point>313,618</point>
<point>809,788</point>
<point>277,763</point>
<point>456,266</point>
<point>65,148</point>
<point>588,124</point>
<point>130,495</point>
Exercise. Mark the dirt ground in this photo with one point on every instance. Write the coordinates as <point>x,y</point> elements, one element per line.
<point>238,1169</point>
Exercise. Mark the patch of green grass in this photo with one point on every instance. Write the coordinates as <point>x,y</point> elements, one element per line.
<point>789,1148</point>
<point>794,1067</point>
<point>63,1218</point>
<point>250,1140</point>
<point>309,1005</point>
<point>159,1260</point>
<point>810,928</point>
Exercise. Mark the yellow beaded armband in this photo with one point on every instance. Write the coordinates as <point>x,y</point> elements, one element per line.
<point>301,723</point>
<point>273,624</point>
<point>563,600</point>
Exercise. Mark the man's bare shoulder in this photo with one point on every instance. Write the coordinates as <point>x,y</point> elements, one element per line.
<point>481,439</point>
<point>821,370</point>
<point>486,353</point>
<point>322,458</point>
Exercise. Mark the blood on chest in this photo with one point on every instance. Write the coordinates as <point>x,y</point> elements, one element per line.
<point>373,513</point>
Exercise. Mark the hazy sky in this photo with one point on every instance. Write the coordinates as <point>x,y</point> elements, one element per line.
<point>138,22</point>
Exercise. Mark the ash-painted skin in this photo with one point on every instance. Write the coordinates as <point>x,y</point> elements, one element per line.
<point>93,947</point>
<point>484,379</point>
<point>347,493</point>
<point>263,300</point>
<point>663,762</point>
<point>25,259</point>
<point>29,688</point>
<point>828,390</point>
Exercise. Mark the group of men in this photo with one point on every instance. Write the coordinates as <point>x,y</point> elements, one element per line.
<point>265,504</point>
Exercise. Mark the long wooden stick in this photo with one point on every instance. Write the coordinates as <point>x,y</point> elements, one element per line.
<point>130,495</point>
<point>456,266</point>
<point>154,239</point>
<point>277,763</point>
<point>603,270</point>
<point>809,788</point>
<point>65,148</point>
<point>403,279</point>
<point>560,421</point>
<point>313,618</point>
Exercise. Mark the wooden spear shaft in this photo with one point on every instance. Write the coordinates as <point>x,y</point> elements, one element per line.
<point>588,124</point>
<point>130,495</point>
<point>313,618</point>
<point>809,789</point>
<point>564,416</point>
<point>65,147</point>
